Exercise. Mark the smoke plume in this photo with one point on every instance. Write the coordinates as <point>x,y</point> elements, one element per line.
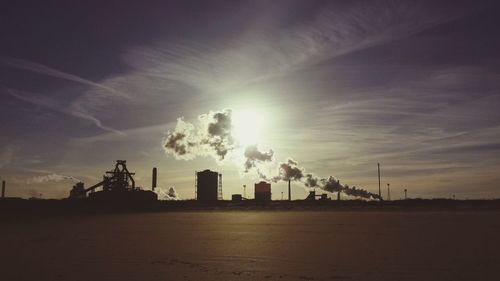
<point>254,157</point>
<point>213,136</point>
<point>170,195</point>
<point>290,170</point>
<point>50,177</point>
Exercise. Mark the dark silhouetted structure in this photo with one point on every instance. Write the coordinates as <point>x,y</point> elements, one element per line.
<point>289,191</point>
<point>78,191</point>
<point>208,186</point>
<point>3,189</point>
<point>236,198</point>
<point>117,185</point>
<point>262,191</point>
<point>312,196</point>
<point>154,179</point>
<point>388,192</point>
<point>406,194</point>
<point>379,188</point>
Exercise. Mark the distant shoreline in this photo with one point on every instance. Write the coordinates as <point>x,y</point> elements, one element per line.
<point>51,207</point>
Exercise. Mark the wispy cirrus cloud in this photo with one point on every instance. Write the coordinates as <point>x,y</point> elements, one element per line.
<point>211,69</point>
<point>27,65</point>
<point>7,154</point>
<point>43,101</point>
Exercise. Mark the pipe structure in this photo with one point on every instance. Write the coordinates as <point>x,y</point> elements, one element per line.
<point>289,191</point>
<point>3,189</point>
<point>154,179</point>
<point>379,189</point>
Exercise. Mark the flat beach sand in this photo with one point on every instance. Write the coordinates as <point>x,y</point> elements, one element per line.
<point>253,245</point>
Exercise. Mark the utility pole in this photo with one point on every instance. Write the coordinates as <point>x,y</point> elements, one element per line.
<point>379,189</point>
<point>388,192</point>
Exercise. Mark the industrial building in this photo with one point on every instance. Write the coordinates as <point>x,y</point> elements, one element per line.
<point>117,184</point>
<point>312,196</point>
<point>208,186</point>
<point>236,198</point>
<point>262,191</point>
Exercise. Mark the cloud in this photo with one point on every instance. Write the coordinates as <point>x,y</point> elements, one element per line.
<point>46,70</point>
<point>52,177</point>
<point>51,104</point>
<point>212,136</point>
<point>262,54</point>
<point>209,69</point>
<point>253,156</point>
<point>7,155</point>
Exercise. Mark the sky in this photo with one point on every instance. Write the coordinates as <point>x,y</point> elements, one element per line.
<point>337,86</point>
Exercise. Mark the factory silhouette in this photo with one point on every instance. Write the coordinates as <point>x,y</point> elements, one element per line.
<point>119,184</point>
<point>118,192</point>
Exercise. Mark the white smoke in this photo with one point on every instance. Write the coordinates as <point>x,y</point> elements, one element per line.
<point>213,136</point>
<point>169,195</point>
<point>290,170</point>
<point>50,178</point>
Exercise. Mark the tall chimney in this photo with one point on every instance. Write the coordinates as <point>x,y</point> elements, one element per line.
<point>289,191</point>
<point>153,184</point>
<point>379,189</point>
<point>388,192</point>
<point>3,189</point>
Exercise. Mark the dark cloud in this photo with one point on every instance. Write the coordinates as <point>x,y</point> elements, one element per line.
<point>254,156</point>
<point>212,136</point>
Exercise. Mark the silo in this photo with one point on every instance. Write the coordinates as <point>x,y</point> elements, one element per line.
<point>262,191</point>
<point>207,183</point>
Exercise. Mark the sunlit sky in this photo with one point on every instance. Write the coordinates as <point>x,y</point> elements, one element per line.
<point>336,85</point>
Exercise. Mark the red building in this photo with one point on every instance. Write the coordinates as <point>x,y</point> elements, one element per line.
<point>263,191</point>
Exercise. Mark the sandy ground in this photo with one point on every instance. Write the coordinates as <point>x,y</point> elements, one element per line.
<point>254,245</point>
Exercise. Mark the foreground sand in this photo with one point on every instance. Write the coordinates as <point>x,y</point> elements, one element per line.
<point>254,245</point>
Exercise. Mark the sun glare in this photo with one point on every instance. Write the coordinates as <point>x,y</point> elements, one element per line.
<point>248,126</point>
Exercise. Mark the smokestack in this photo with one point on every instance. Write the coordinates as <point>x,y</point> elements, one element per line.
<point>388,192</point>
<point>379,189</point>
<point>289,191</point>
<point>3,189</point>
<point>153,184</point>
<point>406,194</point>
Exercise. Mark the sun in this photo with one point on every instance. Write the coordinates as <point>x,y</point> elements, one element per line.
<point>248,126</point>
